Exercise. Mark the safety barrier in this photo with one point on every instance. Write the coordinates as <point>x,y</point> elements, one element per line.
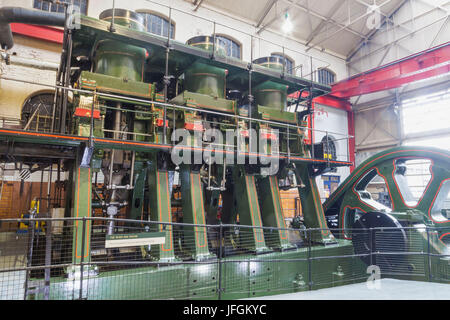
<point>71,258</point>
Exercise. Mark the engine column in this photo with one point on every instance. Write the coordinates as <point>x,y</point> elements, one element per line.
<point>246,197</point>
<point>195,238</point>
<point>272,212</point>
<point>160,210</point>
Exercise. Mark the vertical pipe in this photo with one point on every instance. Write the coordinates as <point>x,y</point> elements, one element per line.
<point>250,96</point>
<point>48,239</point>
<point>214,41</point>
<point>111,167</point>
<point>220,259</point>
<point>133,159</point>
<point>40,190</point>
<point>49,183</point>
<point>310,282</point>
<point>59,183</point>
<point>288,146</point>
<point>82,258</point>
<point>67,79</point>
<point>91,127</point>
<point>31,223</point>
<point>371,238</point>
<point>111,27</point>
<point>166,78</point>
<point>117,120</point>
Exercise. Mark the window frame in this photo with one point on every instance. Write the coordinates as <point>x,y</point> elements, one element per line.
<point>50,5</point>
<point>288,58</point>
<point>228,37</point>
<point>35,95</point>
<point>329,71</point>
<point>171,22</point>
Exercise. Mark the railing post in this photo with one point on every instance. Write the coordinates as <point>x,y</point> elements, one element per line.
<point>310,282</point>
<point>371,239</point>
<point>167,78</point>
<point>220,260</point>
<point>82,257</point>
<point>430,273</point>
<point>31,223</point>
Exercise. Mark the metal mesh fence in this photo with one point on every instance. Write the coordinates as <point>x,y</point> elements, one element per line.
<point>60,259</point>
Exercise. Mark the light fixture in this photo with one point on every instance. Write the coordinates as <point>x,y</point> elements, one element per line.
<point>287,25</point>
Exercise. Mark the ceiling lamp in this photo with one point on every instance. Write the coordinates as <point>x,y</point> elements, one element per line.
<point>287,25</point>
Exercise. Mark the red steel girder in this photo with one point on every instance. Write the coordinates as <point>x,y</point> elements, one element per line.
<point>45,33</point>
<point>423,65</point>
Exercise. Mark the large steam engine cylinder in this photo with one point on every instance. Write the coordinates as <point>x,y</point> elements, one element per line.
<point>118,59</point>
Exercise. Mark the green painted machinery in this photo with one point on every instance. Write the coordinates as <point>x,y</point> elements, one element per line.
<point>138,90</point>
<point>422,211</point>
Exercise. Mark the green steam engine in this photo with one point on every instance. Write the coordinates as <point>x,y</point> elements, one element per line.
<point>138,103</point>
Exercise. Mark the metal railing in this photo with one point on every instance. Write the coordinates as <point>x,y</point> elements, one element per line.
<point>45,259</point>
<point>292,131</point>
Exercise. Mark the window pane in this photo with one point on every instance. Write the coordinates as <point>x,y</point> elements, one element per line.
<point>288,62</point>
<point>441,142</point>
<point>46,6</point>
<point>158,25</point>
<point>412,177</point>
<point>326,76</point>
<point>232,48</point>
<point>426,113</point>
<point>37,4</point>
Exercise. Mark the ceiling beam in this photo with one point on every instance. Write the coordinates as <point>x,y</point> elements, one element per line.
<point>402,37</point>
<point>372,32</point>
<point>347,25</point>
<point>197,4</point>
<point>317,15</point>
<point>329,15</point>
<point>266,11</point>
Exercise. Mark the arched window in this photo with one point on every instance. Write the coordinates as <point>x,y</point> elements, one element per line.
<point>233,47</point>
<point>290,65</point>
<point>157,23</point>
<point>37,112</point>
<point>329,149</point>
<point>53,7</point>
<point>326,76</point>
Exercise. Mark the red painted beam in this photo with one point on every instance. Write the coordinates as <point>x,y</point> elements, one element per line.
<point>45,33</point>
<point>334,102</point>
<point>423,65</point>
<point>327,100</point>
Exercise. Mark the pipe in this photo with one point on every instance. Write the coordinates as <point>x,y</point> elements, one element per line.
<point>30,63</point>
<point>23,15</point>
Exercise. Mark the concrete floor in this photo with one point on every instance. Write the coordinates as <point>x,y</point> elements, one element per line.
<point>389,289</point>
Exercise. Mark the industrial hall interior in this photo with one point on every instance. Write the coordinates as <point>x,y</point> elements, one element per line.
<point>224,150</point>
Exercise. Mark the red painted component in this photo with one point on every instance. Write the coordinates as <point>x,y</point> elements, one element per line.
<point>193,126</point>
<point>334,102</point>
<point>160,122</point>
<point>294,95</point>
<point>50,34</point>
<point>245,133</point>
<point>423,65</point>
<point>81,112</point>
<point>268,136</point>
